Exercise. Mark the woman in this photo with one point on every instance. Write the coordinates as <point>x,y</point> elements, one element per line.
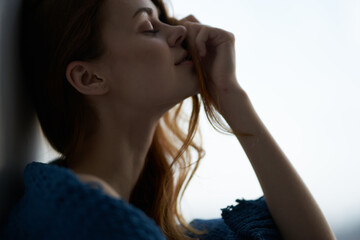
<point>107,79</point>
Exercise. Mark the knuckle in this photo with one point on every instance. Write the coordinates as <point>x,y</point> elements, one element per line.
<point>231,36</point>
<point>192,18</point>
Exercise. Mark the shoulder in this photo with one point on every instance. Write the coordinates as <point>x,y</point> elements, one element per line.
<point>90,180</point>
<point>56,205</point>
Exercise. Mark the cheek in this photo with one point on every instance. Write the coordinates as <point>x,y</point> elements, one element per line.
<point>154,55</point>
<point>153,62</point>
<point>147,70</point>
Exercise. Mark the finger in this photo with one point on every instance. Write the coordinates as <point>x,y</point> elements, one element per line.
<point>190,18</point>
<point>200,41</point>
<point>193,30</point>
<point>198,35</point>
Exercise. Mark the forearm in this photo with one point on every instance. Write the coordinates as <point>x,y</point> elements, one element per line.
<point>292,206</point>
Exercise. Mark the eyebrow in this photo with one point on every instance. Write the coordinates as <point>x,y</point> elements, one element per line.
<point>148,10</point>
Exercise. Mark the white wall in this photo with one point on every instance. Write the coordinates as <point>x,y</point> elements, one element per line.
<point>300,63</point>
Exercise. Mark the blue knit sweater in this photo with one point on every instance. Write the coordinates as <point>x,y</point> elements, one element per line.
<point>56,205</point>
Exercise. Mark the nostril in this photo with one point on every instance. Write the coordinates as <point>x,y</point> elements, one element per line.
<point>179,40</point>
<point>177,35</point>
<point>182,34</point>
<point>184,45</point>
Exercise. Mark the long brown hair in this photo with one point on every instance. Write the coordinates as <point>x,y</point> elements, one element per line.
<point>55,33</point>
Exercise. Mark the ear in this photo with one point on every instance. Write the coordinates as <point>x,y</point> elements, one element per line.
<point>81,77</point>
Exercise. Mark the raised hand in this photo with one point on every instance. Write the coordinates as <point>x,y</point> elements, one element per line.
<point>216,49</point>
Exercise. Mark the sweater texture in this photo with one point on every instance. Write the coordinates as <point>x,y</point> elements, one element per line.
<point>57,205</point>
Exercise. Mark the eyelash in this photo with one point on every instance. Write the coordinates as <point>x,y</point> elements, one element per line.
<point>152,31</point>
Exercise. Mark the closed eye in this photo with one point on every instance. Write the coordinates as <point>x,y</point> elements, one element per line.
<point>151,26</point>
<point>152,31</point>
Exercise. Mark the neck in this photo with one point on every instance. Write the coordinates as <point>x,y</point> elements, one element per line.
<point>117,153</point>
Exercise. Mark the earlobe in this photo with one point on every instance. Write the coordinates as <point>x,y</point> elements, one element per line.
<point>80,76</point>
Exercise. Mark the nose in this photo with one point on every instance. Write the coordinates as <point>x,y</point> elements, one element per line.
<point>177,35</point>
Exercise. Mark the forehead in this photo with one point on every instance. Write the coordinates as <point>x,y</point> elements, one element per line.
<point>116,11</point>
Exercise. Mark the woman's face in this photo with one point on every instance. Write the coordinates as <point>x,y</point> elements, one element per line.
<point>140,65</point>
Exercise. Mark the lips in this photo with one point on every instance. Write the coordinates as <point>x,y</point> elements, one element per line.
<point>185,56</point>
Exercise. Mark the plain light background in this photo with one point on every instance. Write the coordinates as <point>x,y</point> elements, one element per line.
<point>299,62</point>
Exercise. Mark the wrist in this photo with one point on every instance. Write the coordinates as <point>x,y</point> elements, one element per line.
<point>230,97</point>
<point>238,111</point>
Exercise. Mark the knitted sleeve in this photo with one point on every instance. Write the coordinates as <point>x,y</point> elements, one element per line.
<point>248,220</point>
